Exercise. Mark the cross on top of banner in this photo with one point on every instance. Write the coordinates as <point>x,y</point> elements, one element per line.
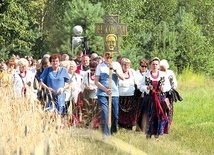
<point>111,30</point>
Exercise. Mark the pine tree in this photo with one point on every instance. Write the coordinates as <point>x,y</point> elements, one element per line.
<point>85,14</point>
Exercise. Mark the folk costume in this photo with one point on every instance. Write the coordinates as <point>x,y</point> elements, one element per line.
<point>6,74</point>
<point>73,107</point>
<point>157,118</point>
<point>172,94</point>
<point>23,84</point>
<point>90,107</point>
<point>128,106</point>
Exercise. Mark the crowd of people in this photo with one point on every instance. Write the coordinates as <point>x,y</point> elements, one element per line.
<point>79,89</point>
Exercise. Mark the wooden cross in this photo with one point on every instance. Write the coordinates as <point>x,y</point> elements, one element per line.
<point>111,30</point>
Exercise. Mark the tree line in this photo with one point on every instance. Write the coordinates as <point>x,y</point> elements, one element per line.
<point>181,31</point>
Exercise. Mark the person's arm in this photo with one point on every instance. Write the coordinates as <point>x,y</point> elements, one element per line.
<point>43,85</point>
<point>100,86</point>
<point>43,77</point>
<point>167,85</point>
<point>119,74</point>
<point>174,80</point>
<point>116,67</point>
<point>143,86</point>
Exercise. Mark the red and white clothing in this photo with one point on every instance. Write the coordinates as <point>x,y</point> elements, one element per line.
<point>155,79</point>
<point>88,80</point>
<point>73,91</point>
<point>23,81</point>
<point>126,86</point>
<point>81,70</point>
<point>172,79</point>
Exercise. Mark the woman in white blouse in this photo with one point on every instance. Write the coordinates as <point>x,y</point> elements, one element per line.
<point>164,66</point>
<point>128,106</point>
<point>23,80</point>
<point>90,103</point>
<point>154,85</point>
<point>72,92</point>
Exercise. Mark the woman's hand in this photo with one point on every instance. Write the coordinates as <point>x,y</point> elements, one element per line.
<point>29,83</point>
<point>161,88</point>
<point>150,87</point>
<point>50,89</point>
<point>60,90</point>
<point>89,88</point>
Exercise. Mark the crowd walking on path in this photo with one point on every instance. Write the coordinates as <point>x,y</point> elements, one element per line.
<point>78,89</point>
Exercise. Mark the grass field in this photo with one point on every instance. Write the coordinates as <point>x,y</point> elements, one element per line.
<point>26,129</point>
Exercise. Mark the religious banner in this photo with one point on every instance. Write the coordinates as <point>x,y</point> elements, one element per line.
<point>111,30</point>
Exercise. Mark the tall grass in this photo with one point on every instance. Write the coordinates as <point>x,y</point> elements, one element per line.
<point>194,120</point>
<point>26,129</point>
<point>190,79</point>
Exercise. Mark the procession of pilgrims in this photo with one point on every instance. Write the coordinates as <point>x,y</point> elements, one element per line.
<point>77,88</point>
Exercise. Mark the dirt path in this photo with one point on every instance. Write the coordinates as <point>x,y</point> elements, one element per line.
<point>115,142</point>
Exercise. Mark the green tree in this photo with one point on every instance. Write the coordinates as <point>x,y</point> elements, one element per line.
<point>51,21</point>
<point>191,43</point>
<point>18,28</point>
<point>136,25</point>
<point>202,16</point>
<point>174,30</point>
<point>180,31</point>
<point>85,14</point>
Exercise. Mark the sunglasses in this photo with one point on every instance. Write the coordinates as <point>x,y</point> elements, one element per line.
<point>92,70</point>
<point>143,66</point>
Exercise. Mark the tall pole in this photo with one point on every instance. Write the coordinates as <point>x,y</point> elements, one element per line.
<point>110,95</point>
<point>111,28</point>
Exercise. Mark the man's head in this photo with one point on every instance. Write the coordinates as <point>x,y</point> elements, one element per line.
<point>79,55</point>
<point>65,57</point>
<point>85,60</point>
<point>107,57</point>
<point>111,42</point>
<point>93,56</point>
<point>119,58</point>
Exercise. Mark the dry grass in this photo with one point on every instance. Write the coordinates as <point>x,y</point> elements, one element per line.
<point>24,126</point>
<point>26,129</point>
